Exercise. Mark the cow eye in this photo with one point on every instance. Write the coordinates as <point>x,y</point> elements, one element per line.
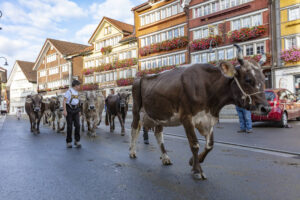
<point>249,81</point>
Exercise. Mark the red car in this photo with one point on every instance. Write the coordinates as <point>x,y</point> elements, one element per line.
<point>285,106</point>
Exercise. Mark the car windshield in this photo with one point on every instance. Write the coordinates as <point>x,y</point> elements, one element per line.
<point>270,96</point>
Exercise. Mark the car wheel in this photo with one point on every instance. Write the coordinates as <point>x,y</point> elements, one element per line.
<point>284,120</point>
<point>298,118</point>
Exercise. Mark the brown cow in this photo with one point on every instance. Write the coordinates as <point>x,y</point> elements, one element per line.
<point>35,107</point>
<point>116,105</point>
<point>193,96</point>
<point>58,113</point>
<point>92,107</point>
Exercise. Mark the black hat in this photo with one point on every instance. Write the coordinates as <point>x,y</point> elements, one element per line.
<point>75,82</point>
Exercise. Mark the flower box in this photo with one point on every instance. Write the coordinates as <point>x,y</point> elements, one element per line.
<point>154,71</point>
<point>125,81</point>
<point>91,86</point>
<point>204,43</point>
<point>247,33</point>
<point>254,57</point>
<point>88,71</point>
<point>106,50</point>
<point>290,55</point>
<point>167,45</point>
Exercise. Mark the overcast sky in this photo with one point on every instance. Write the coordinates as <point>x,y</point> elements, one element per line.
<point>27,23</point>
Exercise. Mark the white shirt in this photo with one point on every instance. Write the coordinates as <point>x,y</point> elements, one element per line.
<point>68,96</point>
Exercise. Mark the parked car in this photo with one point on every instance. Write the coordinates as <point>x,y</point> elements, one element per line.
<point>285,106</point>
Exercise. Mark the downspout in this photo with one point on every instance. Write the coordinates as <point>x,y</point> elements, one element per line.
<point>278,36</point>
<point>186,10</point>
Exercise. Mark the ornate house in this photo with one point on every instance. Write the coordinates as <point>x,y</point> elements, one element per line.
<point>112,62</point>
<point>58,63</point>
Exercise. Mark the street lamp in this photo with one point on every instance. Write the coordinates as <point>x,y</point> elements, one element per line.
<point>211,50</point>
<point>5,64</point>
<point>0,17</point>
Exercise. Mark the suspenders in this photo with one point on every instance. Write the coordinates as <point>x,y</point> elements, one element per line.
<point>72,97</point>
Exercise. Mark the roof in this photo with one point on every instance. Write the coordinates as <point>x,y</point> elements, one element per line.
<point>63,47</point>
<point>128,38</point>
<point>26,67</point>
<point>139,6</point>
<point>67,48</point>
<point>87,49</point>
<point>124,27</point>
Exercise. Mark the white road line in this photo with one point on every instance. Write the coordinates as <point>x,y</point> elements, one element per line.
<point>2,119</point>
<point>274,152</point>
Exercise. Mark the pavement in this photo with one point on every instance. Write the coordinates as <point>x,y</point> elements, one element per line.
<point>41,167</point>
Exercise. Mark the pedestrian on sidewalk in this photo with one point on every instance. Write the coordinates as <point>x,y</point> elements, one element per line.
<point>71,112</point>
<point>245,120</point>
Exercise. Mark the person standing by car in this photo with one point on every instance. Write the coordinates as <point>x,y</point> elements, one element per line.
<point>245,120</point>
<point>71,112</point>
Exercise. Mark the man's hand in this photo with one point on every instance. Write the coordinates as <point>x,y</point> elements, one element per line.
<point>65,113</point>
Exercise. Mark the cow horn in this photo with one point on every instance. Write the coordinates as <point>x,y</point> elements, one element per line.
<point>239,54</point>
<point>263,59</point>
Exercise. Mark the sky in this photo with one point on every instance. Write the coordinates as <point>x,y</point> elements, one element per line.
<point>27,23</point>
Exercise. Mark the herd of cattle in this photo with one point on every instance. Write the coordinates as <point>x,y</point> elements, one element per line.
<point>92,104</point>
<point>190,95</point>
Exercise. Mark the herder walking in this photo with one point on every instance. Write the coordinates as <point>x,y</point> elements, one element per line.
<point>71,112</point>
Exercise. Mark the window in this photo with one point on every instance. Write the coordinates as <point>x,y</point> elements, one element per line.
<point>204,58</point>
<point>182,58</point>
<point>229,53</point>
<point>212,56</point>
<point>256,20</point>
<point>170,35</point>
<point>249,50</point>
<point>236,24</point>
<point>260,48</point>
<point>290,42</point>
<point>53,70</point>
<point>163,13</point>
<point>221,55</point>
<point>159,63</point>
<point>142,21</point>
<point>207,9</point>
<point>205,33</point>
<point>163,37</point>
<point>143,65</point>
<point>160,14</point>
<point>181,31</point>
<point>294,13</point>
<point>177,59</point>
<point>246,22</point>
<point>176,33</point>
<point>51,58</point>
<point>65,68</point>
<point>171,60</point>
<point>42,73</point>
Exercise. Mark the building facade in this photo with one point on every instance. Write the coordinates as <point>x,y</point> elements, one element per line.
<point>288,71</point>
<point>224,22</point>
<point>21,82</point>
<point>112,62</point>
<point>58,63</point>
<point>162,32</point>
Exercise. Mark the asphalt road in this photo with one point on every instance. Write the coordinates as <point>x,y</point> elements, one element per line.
<point>40,167</point>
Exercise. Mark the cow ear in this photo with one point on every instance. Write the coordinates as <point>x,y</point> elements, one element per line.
<point>28,100</point>
<point>227,69</point>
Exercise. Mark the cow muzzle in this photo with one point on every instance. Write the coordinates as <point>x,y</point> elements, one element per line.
<point>61,109</point>
<point>262,109</point>
<point>36,109</point>
<point>91,107</point>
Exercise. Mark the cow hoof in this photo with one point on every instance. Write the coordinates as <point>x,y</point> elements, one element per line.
<point>132,155</point>
<point>122,133</point>
<point>197,176</point>
<point>166,160</point>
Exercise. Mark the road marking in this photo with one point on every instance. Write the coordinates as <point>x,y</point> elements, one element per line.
<point>2,119</point>
<point>275,152</point>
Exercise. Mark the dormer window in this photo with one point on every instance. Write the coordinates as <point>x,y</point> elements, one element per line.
<point>107,30</point>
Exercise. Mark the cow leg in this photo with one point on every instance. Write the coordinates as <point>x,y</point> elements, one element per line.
<point>135,131</point>
<point>31,124</point>
<point>95,122</point>
<point>209,138</point>
<point>110,122</point>
<point>53,121</point>
<point>82,123</point>
<point>122,124</point>
<point>113,122</point>
<point>194,145</point>
<point>88,121</point>
<point>160,141</point>
<point>38,126</point>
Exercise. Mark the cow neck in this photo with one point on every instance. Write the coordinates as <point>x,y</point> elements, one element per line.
<point>221,95</point>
